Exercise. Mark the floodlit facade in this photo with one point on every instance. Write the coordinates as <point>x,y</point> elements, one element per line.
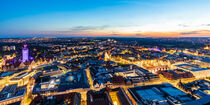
<point>25,53</point>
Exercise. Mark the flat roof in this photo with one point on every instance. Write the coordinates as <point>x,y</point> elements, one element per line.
<point>207,60</point>
<point>205,100</point>
<point>173,91</point>
<point>150,94</point>
<point>159,93</point>
<point>191,67</point>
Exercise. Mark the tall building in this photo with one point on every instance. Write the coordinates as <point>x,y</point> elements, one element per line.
<point>25,53</point>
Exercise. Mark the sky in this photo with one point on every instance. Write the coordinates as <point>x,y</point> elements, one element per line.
<point>104,18</point>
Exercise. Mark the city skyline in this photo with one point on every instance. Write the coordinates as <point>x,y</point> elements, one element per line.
<point>104,52</point>
<point>104,71</point>
<point>100,18</point>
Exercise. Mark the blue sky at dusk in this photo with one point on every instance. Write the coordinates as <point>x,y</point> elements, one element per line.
<point>137,18</point>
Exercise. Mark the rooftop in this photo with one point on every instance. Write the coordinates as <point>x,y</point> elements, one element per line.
<point>164,93</point>
<point>191,67</point>
<point>207,60</point>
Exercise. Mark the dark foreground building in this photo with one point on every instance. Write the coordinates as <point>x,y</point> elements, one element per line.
<point>108,96</point>
<point>64,99</point>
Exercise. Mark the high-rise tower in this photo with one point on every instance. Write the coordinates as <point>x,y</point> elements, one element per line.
<point>25,53</point>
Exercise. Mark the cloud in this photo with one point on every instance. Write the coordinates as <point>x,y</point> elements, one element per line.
<point>199,33</point>
<point>205,24</point>
<point>114,34</point>
<point>88,28</point>
<point>183,25</point>
<point>189,33</point>
<point>138,34</point>
<point>80,31</point>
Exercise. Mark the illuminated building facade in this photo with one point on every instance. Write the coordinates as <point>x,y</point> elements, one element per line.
<point>25,53</point>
